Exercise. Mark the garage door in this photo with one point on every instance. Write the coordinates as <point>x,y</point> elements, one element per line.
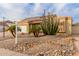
<point>24,29</point>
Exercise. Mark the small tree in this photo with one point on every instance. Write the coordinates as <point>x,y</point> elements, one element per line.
<point>12,29</point>
<point>35,30</point>
<point>50,24</point>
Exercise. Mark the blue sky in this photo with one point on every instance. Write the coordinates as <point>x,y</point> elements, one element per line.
<point>24,10</point>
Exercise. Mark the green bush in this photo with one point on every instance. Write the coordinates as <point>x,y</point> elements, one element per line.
<point>49,25</point>
<point>35,30</point>
<point>12,29</point>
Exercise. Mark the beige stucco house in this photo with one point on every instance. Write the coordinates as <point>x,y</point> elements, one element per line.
<point>24,25</point>
<point>65,24</point>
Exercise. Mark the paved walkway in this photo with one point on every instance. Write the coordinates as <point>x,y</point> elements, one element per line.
<point>6,52</point>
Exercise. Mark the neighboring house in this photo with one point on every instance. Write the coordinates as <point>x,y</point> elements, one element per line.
<point>6,23</point>
<point>1,26</point>
<point>65,24</point>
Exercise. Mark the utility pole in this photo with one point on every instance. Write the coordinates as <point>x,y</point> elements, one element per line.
<point>3,27</point>
<point>16,39</point>
<point>44,12</point>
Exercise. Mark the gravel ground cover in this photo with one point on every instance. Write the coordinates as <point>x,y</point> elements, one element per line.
<point>41,46</point>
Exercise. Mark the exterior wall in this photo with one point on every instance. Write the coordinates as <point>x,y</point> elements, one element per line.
<point>75,30</point>
<point>62,24</point>
<point>24,27</point>
<point>65,25</point>
<point>69,25</point>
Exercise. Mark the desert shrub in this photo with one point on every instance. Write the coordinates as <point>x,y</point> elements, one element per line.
<point>35,30</point>
<point>49,25</point>
<point>12,29</point>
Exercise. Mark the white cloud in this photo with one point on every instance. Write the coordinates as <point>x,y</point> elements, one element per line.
<point>6,6</point>
<point>12,11</point>
<point>59,6</point>
<point>37,9</point>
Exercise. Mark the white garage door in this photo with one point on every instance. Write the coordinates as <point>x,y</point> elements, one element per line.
<point>24,29</point>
